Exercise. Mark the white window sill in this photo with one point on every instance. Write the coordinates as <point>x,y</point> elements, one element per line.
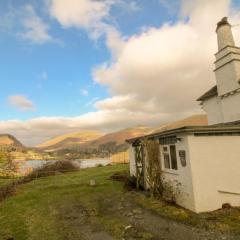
<point>170,172</point>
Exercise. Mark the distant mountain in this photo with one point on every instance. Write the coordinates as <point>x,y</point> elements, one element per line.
<point>69,140</point>
<point>195,120</point>
<point>8,141</point>
<point>90,144</point>
<point>93,140</point>
<point>18,151</point>
<point>120,137</point>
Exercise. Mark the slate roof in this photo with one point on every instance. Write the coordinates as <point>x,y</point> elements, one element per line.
<point>210,93</point>
<point>215,130</point>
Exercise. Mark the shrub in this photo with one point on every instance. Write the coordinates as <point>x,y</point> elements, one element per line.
<point>129,181</point>
<point>50,169</point>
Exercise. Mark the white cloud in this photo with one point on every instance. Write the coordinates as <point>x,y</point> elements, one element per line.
<point>34,131</point>
<point>21,103</point>
<point>35,29</point>
<point>85,14</point>
<point>164,69</point>
<point>24,23</point>
<point>90,15</point>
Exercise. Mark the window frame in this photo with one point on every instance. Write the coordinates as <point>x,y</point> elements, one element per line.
<point>167,152</point>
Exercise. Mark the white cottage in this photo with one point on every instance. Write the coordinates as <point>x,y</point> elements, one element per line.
<point>205,160</point>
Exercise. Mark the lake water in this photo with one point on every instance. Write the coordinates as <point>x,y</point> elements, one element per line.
<point>30,165</point>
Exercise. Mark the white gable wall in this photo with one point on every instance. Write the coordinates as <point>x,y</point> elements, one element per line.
<point>222,109</point>
<point>231,108</point>
<point>215,163</point>
<point>212,106</point>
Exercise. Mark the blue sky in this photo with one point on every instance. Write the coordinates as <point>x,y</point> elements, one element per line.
<point>56,76</point>
<point>73,65</point>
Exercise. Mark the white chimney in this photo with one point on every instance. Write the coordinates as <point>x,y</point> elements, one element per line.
<point>227,60</point>
<point>224,33</point>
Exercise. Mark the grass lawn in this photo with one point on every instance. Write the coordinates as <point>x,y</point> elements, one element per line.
<point>39,208</point>
<point>5,181</point>
<point>65,207</point>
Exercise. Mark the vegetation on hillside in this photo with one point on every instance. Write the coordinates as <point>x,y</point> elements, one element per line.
<point>77,152</point>
<point>14,149</point>
<point>7,165</point>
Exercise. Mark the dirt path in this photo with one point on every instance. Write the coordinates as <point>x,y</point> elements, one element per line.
<point>139,223</point>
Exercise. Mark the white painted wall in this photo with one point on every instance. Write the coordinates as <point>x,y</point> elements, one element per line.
<point>182,175</point>
<point>227,76</point>
<point>215,163</point>
<point>222,110</point>
<point>212,106</point>
<point>231,108</point>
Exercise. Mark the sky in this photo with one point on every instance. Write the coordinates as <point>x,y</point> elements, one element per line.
<point>73,65</point>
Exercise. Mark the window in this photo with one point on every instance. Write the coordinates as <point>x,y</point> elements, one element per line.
<point>170,157</point>
<point>166,157</point>
<point>182,156</point>
<point>173,157</point>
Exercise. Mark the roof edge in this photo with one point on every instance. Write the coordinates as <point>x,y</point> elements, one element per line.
<point>191,129</point>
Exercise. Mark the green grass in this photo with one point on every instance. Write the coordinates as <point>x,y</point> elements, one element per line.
<point>39,207</point>
<point>60,207</point>
<point>5,181</point>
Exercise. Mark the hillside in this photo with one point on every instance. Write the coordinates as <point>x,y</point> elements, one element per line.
<point>91,144</point>
<point>8,141</point>
<point>92,139</point>
<point>79,145</point>
<point>195,120</point>
<point>71,139</point>
<point>120,137</point>
<point>17,151</point>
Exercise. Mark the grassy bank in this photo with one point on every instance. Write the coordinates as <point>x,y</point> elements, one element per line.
<point>39,208</point>
<point>65,206</point>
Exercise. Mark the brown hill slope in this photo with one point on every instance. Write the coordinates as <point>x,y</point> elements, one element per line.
<point>70,139</point>
<point>120,137</point>
<point>93,139</point>
<point>195,120</point>
<point>9,141</point>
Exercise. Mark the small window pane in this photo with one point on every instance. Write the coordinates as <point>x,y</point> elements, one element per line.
<point>173,157</point>
<point>166,161</point>
<point>182,156</point>
<point>165,149</point>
